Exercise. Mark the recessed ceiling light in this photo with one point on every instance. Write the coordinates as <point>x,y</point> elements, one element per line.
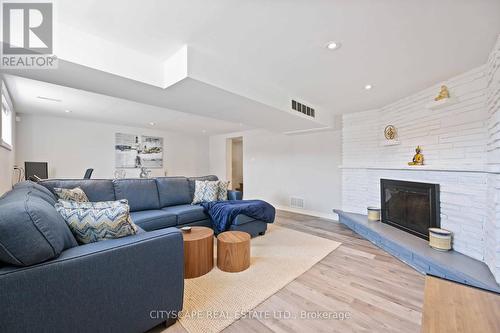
<point>152,123</point>
<point>203,131</point>
<point>368,87</point>
<point>67,111</point>
<point>333,45</point>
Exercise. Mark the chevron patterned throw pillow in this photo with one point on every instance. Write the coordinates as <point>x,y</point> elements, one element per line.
<point>222,195</point>
<point>205,191</point>
<point>95,221</point>
<point>71,194</point>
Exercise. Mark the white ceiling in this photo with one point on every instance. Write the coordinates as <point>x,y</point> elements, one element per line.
<point>399,47</point>
<point>91,106</point>
<point>247,59</point>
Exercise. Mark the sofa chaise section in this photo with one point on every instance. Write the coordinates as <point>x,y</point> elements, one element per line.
<point>249,225</point>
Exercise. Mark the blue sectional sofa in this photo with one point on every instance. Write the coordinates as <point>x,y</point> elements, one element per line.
<point>49,283</point>
<point>158,203</point>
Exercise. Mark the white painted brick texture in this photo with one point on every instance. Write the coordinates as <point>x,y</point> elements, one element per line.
<point>492,222</point>
<point>461,145</point>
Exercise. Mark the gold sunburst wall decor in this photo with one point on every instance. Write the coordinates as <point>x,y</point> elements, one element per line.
<point>390,132</point>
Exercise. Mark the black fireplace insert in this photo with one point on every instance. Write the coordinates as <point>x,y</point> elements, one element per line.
<point>410,206</point>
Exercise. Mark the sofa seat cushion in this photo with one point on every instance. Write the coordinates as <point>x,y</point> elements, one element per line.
<point>142,194</point>
<point>173,191</point>
<point>31,230</point>
<point>187,213</point>
<point>154,219</point>
<point>139,230</point>
<point>242,219</point>
<point>95,189</point>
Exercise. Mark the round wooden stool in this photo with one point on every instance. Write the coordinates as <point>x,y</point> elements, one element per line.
<point>198,251</point>
<point>233,251</point>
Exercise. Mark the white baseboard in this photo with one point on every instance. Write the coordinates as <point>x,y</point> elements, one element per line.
<point>331,216</point>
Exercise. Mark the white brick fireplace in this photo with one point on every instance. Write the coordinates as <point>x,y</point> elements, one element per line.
<point>461,145</point>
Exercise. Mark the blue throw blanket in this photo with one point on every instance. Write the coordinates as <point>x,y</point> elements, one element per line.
<point>223,213</point>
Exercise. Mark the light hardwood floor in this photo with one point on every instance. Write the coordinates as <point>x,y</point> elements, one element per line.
<point>451,307</point>
<point>380,293</point>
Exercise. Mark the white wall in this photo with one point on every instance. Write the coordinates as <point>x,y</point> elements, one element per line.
<point>7,162</point>
<point>71,146</point>
<point>278,166</point>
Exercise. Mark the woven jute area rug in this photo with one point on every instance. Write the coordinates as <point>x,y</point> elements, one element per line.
<point>214,301</point>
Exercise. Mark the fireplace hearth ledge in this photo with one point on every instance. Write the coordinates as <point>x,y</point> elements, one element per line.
<point>415,252</point>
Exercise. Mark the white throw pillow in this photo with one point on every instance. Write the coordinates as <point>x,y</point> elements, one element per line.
<point>205,191</point>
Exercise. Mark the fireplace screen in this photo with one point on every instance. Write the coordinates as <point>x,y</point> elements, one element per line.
<point>412,207</point>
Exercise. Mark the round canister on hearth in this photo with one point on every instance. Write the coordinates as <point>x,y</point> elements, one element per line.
<point>373,213</point>
<point>440,239</point>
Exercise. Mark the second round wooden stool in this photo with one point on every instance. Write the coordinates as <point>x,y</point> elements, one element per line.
<point>233,251</point>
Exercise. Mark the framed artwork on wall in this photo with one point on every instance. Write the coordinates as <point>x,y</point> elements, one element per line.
<point>137,151</point>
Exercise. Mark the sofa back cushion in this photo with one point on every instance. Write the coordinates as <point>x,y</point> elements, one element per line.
<point>31,230</point>
<point>192,182</point>
<point>173,191</point>
<point>95,189</point>
<point>37,190</point>
<point>142,194</point>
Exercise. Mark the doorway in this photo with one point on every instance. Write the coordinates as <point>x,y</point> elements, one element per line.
<point>235,163</point>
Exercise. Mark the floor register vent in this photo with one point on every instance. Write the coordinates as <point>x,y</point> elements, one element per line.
<point>302,108</point>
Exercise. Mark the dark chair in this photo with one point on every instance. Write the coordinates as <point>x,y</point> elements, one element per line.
<point>34,178</point>
<point>88,174</point>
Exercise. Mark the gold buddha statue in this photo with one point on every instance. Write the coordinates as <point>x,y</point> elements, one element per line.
<point>418,158</point>
<point>443,94</point>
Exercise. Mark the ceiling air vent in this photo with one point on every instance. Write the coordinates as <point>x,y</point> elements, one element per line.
<point>302,108</point>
